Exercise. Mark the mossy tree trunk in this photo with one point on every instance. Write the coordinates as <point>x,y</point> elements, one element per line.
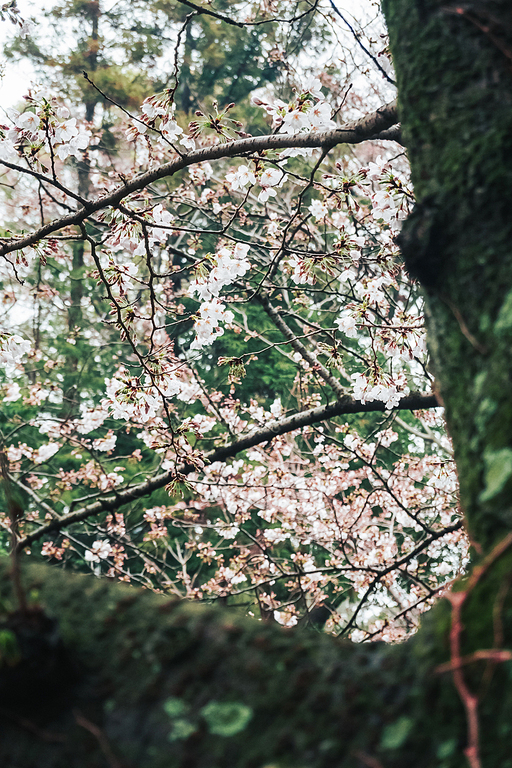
<point>454,71</point>
<point>126,678</point>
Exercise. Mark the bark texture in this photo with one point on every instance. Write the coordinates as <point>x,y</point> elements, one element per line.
<point>454,73</point>
<point>106,675</point>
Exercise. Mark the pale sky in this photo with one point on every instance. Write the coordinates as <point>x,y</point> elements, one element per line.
<point>17,77</point>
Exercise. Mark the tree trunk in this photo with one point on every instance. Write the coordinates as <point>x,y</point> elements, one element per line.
<point>127,678</point>
<point>75,317</point>
<point>454,72</point>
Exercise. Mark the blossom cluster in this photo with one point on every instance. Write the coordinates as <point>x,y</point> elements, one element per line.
<point>13,348</point>
<point>269,264</point>
<point>44,125</point>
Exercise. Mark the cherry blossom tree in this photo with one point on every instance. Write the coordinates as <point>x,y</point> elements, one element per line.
<point>209,253</point>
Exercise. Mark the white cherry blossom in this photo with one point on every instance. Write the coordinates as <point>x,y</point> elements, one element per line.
<point>13,393</point>
<point>229,266</point>
<point>107,443</point>
<point>265,193</point>
<point>7,150</point>
<point>241,178</point>
<point>91,419</point>
<point>45,452</point>
<point>151,110</point>
<point>347,324</point>
<point>170,130</point>
<point>270,177</point>
<point>12,350</point>
<point>187,142</point>
<point>127,401</point>
<point>106,482</point>
<point>294,121</point>
<point>28,121</point>
<point>161,216</point>
<point>318,209</point>
<point>296,152</point>
<point>99,550</point>
<point>313,86</point>
<point>67,130</point>
<point>73,148</point>
<point>319,117</point>
<point>207,326</point>
<point>301,275</point>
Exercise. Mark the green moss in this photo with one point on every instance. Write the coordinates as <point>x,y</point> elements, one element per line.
<point>503,326</point>
<point>181,729</point>
<point>211,688</point>
<point>456,109</point>
<point>395,734</point>
<point>226,718</point>
<point>479,383</point>
<point>498,471</point>
<point>10,653</point>
<point>175,707</point>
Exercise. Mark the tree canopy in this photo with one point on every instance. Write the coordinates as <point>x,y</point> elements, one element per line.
<point>179,317</point>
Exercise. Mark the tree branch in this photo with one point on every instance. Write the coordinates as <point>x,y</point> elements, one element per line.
<point>41,177</point>
<point>357,38</point>
<point>367,127</point>
<point>299,347</point>
<point>391,134</point>
<point>241,24</point>
<point>345,405</point>
<point>141,665</point>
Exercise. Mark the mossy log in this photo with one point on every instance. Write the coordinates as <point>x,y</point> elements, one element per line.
<point>114,676</point>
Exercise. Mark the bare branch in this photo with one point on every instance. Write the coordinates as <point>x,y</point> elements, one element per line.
<point>48,179</point>
<point>357,38</point>
<point>241,24</point>
<point>299,347</point>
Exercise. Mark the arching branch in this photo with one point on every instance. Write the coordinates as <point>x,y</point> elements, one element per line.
<point>291,423</point>
<point>368,127</point>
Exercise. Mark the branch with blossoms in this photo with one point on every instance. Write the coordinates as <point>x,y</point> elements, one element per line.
<point>368,127</point>
<point>289,424</point>
<point>178,265</point>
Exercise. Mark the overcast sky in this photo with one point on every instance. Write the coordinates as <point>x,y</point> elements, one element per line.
<point>17,77</point>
